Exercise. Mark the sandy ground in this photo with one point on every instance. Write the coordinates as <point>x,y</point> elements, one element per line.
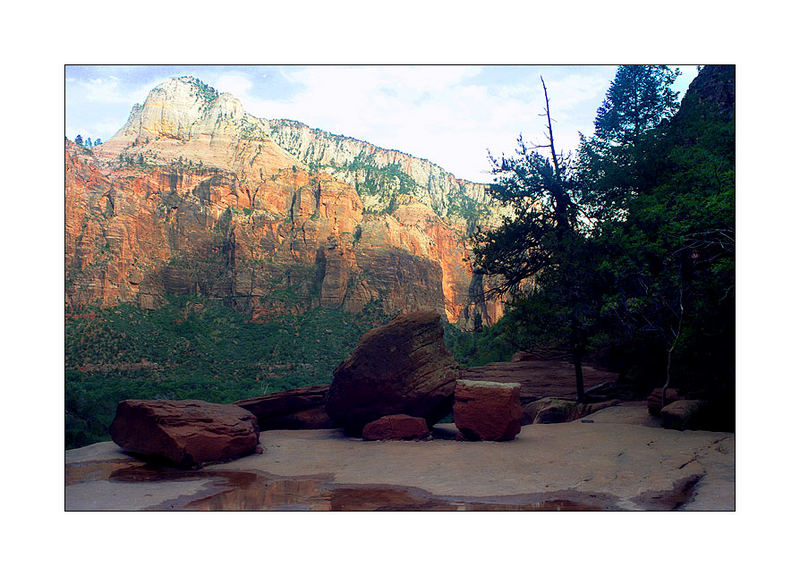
<point>615,459</point>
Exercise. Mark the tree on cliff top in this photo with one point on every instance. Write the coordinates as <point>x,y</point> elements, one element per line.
<point>639,98</point>
<point>613,162</point>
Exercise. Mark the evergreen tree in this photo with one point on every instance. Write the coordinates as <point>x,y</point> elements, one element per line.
<point>97,142</point>
<point>79,140</point>
<point>615,160</point>
<point>638,100</point>
<point>670,262</point>
<point>537,255</point>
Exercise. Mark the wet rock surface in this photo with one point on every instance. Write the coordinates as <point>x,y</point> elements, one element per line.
<point>621,460</point>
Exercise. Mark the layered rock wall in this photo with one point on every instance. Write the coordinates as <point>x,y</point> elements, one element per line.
<point>194,196</point>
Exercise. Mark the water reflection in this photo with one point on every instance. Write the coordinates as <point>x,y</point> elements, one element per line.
<point>245,490</point>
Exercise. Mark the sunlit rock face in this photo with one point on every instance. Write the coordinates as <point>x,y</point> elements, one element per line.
<point>195,196</point>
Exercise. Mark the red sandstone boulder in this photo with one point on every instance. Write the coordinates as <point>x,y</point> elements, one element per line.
<point>298,409</point>
<point>524,357</point>
<point>487,410</point>
<point>396,427</point>
<point>654,403</point>
<point>188,433</point>
<point>557,410</point>
<point>684,415</point>
<point>400,368</point>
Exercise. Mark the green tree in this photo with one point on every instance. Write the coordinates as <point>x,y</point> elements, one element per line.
<point>638,100</point>
<point>537,253</point>
<point>669,264</point>
<point>79,140</point>
<point>614,160</point>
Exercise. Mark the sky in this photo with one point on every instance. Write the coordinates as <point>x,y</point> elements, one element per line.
<point>453,116</point>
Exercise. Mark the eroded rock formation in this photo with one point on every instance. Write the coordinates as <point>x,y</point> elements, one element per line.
<point>299,409</point>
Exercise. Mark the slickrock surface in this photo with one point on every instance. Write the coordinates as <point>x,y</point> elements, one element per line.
<point>539,378</point>
<point>616,460</point>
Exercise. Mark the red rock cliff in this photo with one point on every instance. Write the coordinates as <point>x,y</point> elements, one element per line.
<point>192,196</point>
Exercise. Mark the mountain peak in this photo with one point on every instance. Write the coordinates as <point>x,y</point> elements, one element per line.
<point>180,107</point>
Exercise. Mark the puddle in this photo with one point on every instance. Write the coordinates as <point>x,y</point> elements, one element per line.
<point>244,490</point>
<point>94,471</point>
<point>250,491</point>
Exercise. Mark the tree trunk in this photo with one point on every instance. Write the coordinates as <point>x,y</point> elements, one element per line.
<point>577,354</point>
<point>576,361</point>
<point>677,335</point>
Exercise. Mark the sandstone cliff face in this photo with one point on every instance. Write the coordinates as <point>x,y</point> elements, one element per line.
<point>193,196</point>
<point>350,159</point>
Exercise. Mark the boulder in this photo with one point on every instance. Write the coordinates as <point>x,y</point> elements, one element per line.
<point>548,411</point>
<point>683,415</point>
<point>298,409</point>
<point>188,433</point>
<point>557,410</point>
<point>396,427</point>
<point>654,400</point>
<point>402,367</point>
<point>487,410</point>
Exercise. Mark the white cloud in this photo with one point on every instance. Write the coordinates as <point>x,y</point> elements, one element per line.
<point>435,112</point>
<point>108,90</point>
<point>237,84</point>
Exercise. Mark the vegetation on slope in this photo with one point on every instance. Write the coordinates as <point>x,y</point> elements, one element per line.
<point>195,348</point>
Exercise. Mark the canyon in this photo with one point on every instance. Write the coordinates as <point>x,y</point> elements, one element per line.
<point>194,196</point>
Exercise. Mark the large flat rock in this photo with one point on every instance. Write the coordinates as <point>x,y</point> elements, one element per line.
<point>615,460</point>
<point>539,378</point>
